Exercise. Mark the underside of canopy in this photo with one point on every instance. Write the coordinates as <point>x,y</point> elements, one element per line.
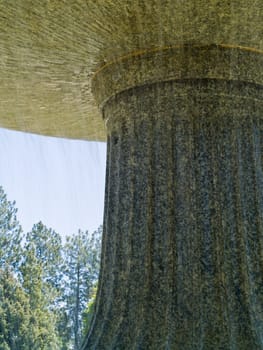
<point>50,50</point>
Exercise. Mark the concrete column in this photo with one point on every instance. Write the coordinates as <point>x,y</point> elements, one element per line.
<point>182,254</point>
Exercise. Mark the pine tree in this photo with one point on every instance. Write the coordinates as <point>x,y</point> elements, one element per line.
<point>14,313</point>
<point>10,233</point>
<point>82,259</point>
<point>40,284</point>
<point>45,287</point>
<point>48,250</point>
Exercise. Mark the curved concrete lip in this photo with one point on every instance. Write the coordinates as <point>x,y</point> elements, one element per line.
<point>50,49</point>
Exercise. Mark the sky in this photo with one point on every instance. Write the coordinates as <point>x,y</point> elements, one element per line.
<point>58,181</point>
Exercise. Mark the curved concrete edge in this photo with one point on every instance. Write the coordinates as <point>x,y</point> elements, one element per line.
<point>223,62</point>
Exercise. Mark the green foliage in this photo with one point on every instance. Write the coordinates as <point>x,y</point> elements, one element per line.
<point>48,251</point>
<point>35,276</point>
<point>10,233</point>
<point>45,286</point>
<point>81,268</point>
<point>43,249</point>
<point>14,313</point>
<point>89,311</point>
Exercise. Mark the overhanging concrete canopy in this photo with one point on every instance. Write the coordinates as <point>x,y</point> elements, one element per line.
<point>50,49</point>
<point>179,84</point>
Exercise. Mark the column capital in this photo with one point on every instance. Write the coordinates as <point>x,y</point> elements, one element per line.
<point>184,62</point>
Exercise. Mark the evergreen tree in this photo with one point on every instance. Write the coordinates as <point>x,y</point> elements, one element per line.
<point>38,283</point>
<point>14,313</point>
<point>48,251</point>
<point>10,233</point>
<point>45,287</point>
<point>82,259</point>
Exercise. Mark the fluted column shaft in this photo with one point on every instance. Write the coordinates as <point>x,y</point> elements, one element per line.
<point>182,254</point>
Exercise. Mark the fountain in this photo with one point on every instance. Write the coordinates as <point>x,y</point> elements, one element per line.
<point>179,85</point>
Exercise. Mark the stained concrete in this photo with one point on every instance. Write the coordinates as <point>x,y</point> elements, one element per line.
<point>182,264</point>
<point>179,84</point>
<point>50,49</point>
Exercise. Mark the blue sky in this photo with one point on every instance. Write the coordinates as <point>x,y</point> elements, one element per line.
<point>58,181</point>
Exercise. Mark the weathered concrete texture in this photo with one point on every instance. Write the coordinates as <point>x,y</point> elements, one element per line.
<point>228,62</point>
<point>180,86</point>
<point>182,260</point>
<point>50,49</point>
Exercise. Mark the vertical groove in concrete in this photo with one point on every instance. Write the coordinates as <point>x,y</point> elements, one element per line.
<point>182,254</point>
